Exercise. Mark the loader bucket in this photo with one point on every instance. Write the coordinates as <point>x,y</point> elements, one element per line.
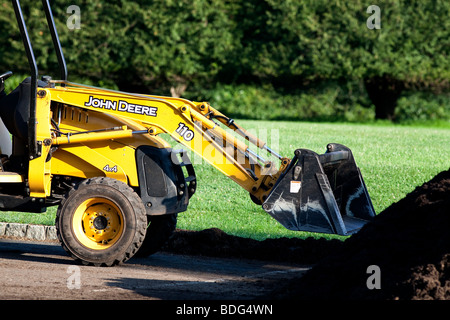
<point>321,193</point>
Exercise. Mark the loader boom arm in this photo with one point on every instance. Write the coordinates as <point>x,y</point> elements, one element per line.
<point>198,126</point>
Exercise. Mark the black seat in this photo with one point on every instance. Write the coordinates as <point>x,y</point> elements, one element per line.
<point>15,109</point>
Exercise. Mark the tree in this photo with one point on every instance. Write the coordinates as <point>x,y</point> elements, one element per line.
<point>137,45</point>
<point>311,40</point>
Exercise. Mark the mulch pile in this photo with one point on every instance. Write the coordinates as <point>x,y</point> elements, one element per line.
<point>409,242</point>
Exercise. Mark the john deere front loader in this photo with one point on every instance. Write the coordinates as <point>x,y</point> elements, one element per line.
<point>99,156</point>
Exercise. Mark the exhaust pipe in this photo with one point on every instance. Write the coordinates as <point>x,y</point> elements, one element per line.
<point>321,193</point>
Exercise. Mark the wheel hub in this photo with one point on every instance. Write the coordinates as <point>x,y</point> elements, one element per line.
<point>100,223</point>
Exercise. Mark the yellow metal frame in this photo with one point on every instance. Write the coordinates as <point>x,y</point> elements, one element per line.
<point>102,128</point>
<point>39,172</point>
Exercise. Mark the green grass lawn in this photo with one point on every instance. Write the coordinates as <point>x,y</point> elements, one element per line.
<point>393,161</point>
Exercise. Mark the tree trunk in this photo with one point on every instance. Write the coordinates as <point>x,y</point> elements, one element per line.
<point>384,92</point>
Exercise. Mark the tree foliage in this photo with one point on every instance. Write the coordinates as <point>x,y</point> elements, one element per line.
<point>175,44</point>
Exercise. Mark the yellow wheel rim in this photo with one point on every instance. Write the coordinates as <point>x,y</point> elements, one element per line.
<point>97,223</point>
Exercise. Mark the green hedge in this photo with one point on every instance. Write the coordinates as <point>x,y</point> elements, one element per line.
<point>423,106</point>
<point>331,102</point>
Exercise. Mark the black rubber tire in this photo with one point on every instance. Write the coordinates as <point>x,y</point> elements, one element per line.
<point>133,229</point>
<point>159,231</point>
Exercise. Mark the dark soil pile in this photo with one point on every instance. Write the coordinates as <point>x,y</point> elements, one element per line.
<point>409,242</point>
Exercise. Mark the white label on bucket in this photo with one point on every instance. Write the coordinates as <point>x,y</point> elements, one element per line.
<point>295,186</point>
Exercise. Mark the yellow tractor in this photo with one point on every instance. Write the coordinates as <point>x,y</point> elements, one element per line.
<point>100,157</point>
